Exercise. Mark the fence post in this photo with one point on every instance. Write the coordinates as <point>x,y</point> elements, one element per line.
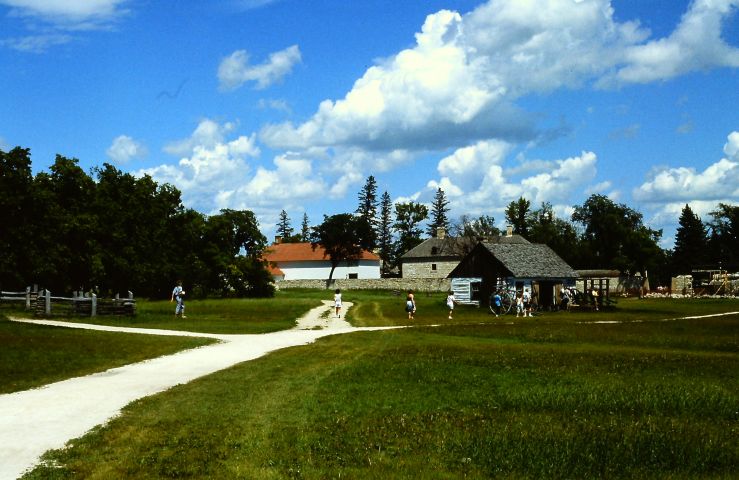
<point>28,298</point>
<point>94,305</point>
<point>130,295</point>
<point>47,306</point>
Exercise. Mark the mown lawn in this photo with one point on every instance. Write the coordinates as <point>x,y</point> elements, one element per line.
<point>34,355</point>
<point>225,316</point>
<point>557,396</point>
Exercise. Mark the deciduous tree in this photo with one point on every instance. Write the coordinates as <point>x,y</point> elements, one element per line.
<point>343,237</point>
<point>408,218</point>
<point>517,215</point>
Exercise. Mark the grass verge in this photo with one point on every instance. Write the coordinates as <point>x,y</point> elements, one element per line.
<point>555,399</point>
<point>34,355</point>
<point>220,316</point>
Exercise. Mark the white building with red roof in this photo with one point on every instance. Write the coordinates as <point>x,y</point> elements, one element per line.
<point>299,261</point>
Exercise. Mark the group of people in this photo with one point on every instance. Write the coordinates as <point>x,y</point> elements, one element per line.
<point>568,295</point>
<point>525,305</point>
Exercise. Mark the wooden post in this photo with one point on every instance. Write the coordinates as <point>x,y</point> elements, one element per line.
<point>130,295</point>
<point>94,305</point>
<point>47,306</point>
<point>28,298</point>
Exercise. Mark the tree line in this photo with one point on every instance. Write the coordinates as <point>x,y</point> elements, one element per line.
<point>600,233</point>
<point>109,231</point>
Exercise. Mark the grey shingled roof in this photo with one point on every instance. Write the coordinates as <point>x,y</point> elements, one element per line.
<point>532,260</point>
<point>452,247</point>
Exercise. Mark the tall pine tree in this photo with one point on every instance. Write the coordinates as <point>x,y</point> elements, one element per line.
<point>385,234</point>
<point>284,229</point>
<point>305,229</point>
<point>367,208</point>
<point>691,241</point>
<point>439,210</point>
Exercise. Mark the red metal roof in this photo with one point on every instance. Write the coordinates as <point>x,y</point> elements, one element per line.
<point>303,252</point>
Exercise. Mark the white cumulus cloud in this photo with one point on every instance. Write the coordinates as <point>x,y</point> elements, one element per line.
<point>52,22</point>
<point>718,182</point>
<point>696,44</point>
<point>669,189</point>
<point>460,82</point>
<point>125,148</point>
<point>235,70</point>
<point>72,12</point>
<point>214,172</point>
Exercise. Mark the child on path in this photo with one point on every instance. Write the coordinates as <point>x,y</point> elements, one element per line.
<point>450,301</point>
<point>178,294</point>
<point>410,304</point>
<point>337,302</point>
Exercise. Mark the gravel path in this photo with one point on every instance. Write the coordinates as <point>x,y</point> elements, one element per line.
<point>34,421</point>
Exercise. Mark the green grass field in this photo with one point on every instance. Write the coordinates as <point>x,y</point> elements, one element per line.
<point>232,316</point>
<point>35,355</point>
<point>555,396</point>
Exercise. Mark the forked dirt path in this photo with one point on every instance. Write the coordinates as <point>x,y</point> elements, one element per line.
<point>34,421</point>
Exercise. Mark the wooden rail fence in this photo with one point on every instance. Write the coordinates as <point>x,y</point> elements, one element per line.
<point>44,304</point>
<point>28,297</point>
<point>88,306</point>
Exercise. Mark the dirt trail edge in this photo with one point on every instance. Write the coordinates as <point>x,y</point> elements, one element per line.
<point>34,421</point>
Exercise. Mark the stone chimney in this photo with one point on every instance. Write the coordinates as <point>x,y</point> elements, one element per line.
<point>509,231</point>
<point>278,239</point>
<point>440,233</point>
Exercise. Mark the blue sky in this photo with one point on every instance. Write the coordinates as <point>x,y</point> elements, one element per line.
<point>291,104</point>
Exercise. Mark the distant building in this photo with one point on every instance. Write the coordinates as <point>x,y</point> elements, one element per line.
<point>437,257</point>
<point>299,261</point>
<point>523,266</point>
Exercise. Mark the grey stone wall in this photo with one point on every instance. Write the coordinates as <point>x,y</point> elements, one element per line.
<point>422,269</point>
<point>402,284</point>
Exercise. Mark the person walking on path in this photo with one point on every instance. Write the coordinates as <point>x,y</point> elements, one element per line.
<point>337,302</point>
<point>410,305</point>
<point>450,301</point>
<point>178,295</point>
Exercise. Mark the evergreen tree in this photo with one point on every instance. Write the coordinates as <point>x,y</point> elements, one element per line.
<point>367,208</point>
<point>439,210</point>
<point>284,229</point>
<point>385,234</point>
<point>691,243</point>
<point>305,229</point>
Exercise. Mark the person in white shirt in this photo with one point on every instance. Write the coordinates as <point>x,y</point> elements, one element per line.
<point>337,302</point>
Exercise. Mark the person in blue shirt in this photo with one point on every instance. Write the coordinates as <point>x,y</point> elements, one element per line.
<point>496,302</point>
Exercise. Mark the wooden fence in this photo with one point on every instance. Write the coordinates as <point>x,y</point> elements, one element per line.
<point>79,305</point>
<point>27,298</point>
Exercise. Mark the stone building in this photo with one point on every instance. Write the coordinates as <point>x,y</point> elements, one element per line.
<point>437,257</point>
